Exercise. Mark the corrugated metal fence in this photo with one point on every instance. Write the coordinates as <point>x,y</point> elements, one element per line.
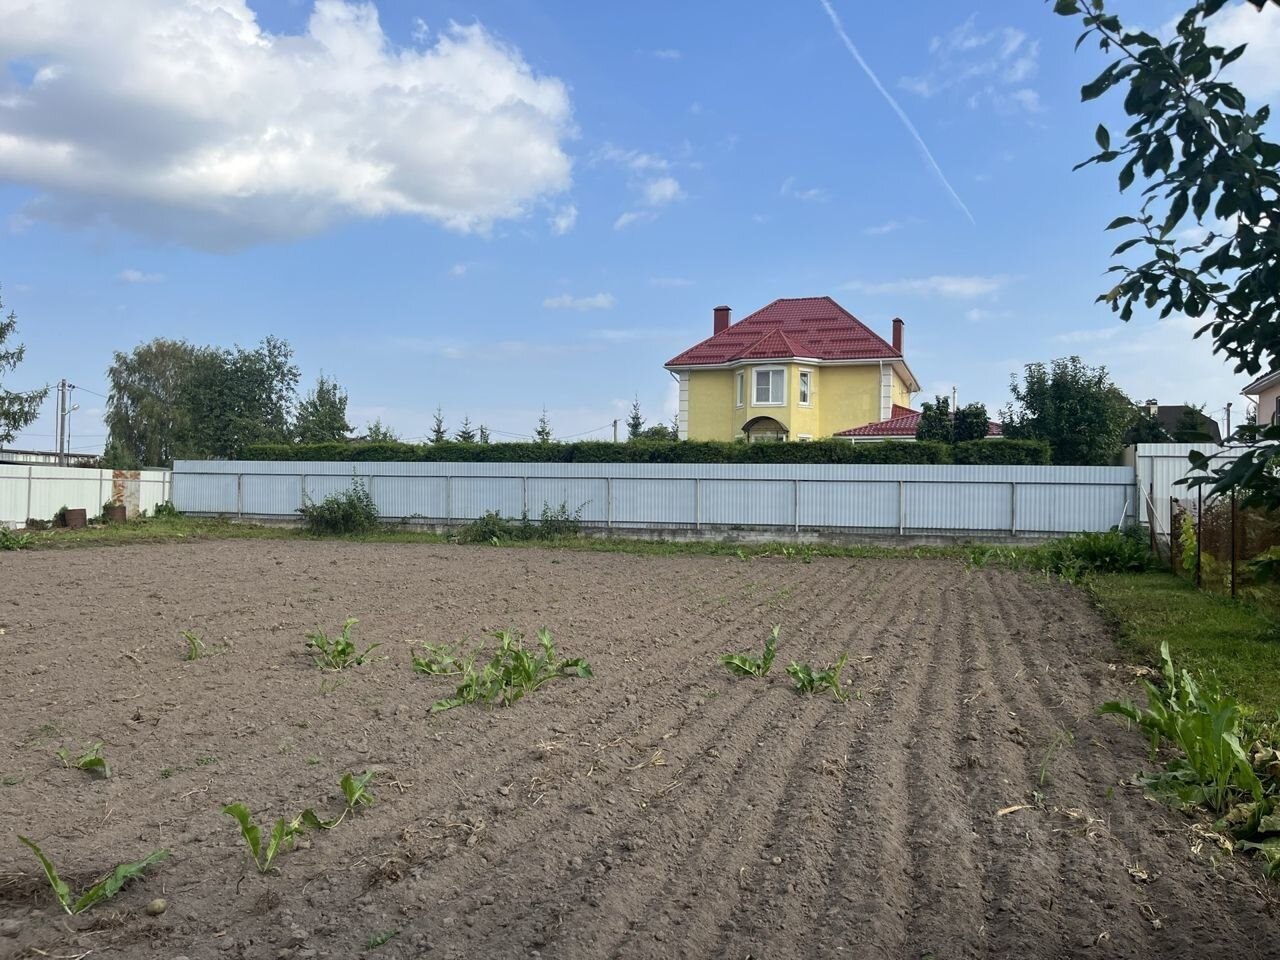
<point>882,499</point>
<point>40,491</point>
<point>1158,467</point>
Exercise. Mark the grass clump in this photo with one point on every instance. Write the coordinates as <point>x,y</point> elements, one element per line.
<point>511,672</point>
<point>15,541</point>
<point>553,524</point>
<point>107,887</point>
<point>746,665</point>
<point>351,511</point>
<point>340,652</point>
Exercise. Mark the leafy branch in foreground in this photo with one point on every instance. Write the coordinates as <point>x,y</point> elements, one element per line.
<point>745,665</point>
<point>338,653</point>
<point>809,680</point>
<point>512,672</point>
<point>91,760</point>
<point>1194,141</point>
<point>105,888</point>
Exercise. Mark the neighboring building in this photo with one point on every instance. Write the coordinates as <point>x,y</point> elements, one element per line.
<point>48,458</point>
<point>798,369</point>
<point>902,425</point>
<point>1172,418</point>
<point>1265,392</point>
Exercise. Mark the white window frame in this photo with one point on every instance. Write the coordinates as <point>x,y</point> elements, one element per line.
<point>740,387</point>
<point>782,389</point>
<point>804,395</point>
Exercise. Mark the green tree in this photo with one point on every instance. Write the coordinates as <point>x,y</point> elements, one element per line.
<point>659,431</point>
<point>379,432</point>
<point>1075,408</point>
<point>465,434</point>
<point>149,410</point>
<point>935,420</point>
<point>1145,429</point>
<point>18,410</point>
<point>543,433</point>
<point>1201,152</point>
<point>971,422</point>
<point>237,397</point>
<point>635,422</point>
<point>484,434</point>
<point>322,414</point>
<point>438,432</point>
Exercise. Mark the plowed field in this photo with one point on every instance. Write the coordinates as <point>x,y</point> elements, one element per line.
<point>965,801</point>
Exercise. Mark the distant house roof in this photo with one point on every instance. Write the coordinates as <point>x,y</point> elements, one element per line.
<point>810,328</point>
<point>1169,414</point>
<point>902,422</point>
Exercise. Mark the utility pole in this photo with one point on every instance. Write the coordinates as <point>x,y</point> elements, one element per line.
<point>1229,428</point>
<point>61,417</point>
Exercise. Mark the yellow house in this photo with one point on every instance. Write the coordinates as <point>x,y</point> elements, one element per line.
<point>798,369</point>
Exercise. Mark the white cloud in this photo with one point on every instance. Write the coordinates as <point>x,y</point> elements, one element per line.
<point>632,160</point>
<point>632,217</point>
<point>667,53</point>
<point>879,230</point>
<point>563,220</point>
<point>186,119</point>
<point>991,68</point>
<point>599,301</point>
<point>1255,72</point>
<point>663,190</point>
<point>670,282</point>
<point>458,270</point>
<point>809,195</point>
<point>955,287</point>
<point>137,276</point>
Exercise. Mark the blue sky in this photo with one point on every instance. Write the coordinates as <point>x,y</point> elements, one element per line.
<point>498,207</point>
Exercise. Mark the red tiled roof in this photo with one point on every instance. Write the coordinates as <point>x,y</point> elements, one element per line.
<point>814,328</point>
<point>903,422</point>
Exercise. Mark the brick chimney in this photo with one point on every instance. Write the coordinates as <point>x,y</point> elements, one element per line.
<point>897,333</point>
<point>1153,408</point>
<point>720,319</point>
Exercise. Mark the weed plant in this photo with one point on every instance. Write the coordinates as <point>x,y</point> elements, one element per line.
<point>91,760</point>
<point>808,680</point>
<point>338,653</point>
<point>351,511</point>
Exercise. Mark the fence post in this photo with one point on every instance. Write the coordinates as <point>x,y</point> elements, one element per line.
<point>28,516</point>
<point>1233,543</point>
<point>1199,528</point>
<point>697,503</point>
<point>302,490</point>
<point>239,494</point>
<point>902,507</point>
<point>795,504</point>
<point>608,491</point>
<point>1013,509</point>
<point>524,495</point>
<point>1173,513</point>
<point>448,499</point>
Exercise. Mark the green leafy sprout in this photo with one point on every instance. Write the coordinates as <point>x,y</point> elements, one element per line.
<point>338,653</point>
<point>745,665</point>
<point>105,888</point>
<point>91,760</point>
<point>443,660</point>
<point>809,680</point>
<point>512,672</point>
<point>195,646</point>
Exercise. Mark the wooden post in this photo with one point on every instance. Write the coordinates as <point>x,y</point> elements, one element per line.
<point>1199,529</point>
<point>1233,540</point>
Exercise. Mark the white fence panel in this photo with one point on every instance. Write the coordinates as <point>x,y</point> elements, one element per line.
<point>40,491</point>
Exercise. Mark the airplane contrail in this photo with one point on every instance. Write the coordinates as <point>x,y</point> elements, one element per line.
<point>906,121</point>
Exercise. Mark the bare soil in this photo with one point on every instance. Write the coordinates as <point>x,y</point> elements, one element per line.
<point>965,802</point>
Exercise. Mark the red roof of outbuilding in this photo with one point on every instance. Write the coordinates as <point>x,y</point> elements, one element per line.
<point>903,422</point>
<point>815,328</point>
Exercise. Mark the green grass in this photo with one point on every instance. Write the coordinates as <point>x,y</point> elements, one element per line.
<point>1208,634</point>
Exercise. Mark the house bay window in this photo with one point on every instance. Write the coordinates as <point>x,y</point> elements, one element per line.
<point>770,386</point>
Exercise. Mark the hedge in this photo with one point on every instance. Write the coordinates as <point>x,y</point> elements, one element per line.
<point>664,451</point>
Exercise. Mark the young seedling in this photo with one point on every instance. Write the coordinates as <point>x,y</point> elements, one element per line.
<point>355,790</point>
<point>444,660</point>
<point>809,680</point>
<point>92,760</point>
<point>105,888</point>
<point>283,833</point>
<point>745,665</point>
<point>512,672</point>
<point>195,646</point>
<point>378,939</point>
<point>338,653</point>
